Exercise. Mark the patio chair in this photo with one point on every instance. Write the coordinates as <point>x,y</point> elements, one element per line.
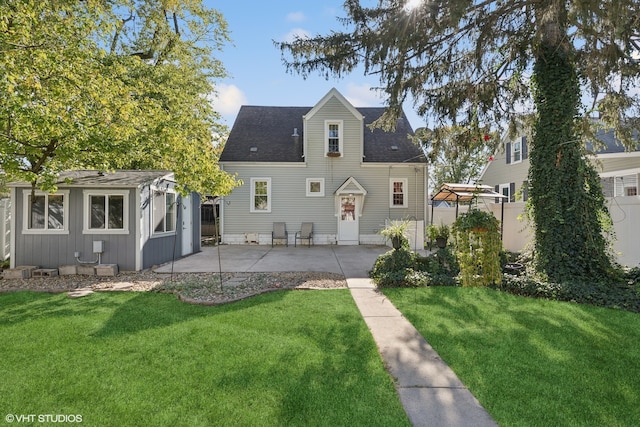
<point>305,233</point>
<point>279,232</point>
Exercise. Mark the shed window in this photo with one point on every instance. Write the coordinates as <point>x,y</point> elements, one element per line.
<point>106,211</point>
<point>46,213</point>
<point>164,212</point>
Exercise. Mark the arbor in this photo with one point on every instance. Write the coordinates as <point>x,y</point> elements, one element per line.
<point>110,84</point>
<point>476,62</point>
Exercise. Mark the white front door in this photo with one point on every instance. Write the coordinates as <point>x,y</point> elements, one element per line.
<point>348,224</point>
<point>187,225</point>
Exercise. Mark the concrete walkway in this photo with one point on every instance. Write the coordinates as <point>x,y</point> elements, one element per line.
<point>431,393</point>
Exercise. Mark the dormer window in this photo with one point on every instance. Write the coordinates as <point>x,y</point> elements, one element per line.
<point>333,138</point>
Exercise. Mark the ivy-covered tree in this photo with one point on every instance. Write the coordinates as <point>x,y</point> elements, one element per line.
<point>471,62</point>
<point>110,85</point>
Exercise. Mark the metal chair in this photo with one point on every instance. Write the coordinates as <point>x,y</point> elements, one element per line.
<point>305,233</point>
<point>279,232</point>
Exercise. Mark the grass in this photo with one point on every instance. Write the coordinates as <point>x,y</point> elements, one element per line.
<point>139,359</point>
<point>533,362</point>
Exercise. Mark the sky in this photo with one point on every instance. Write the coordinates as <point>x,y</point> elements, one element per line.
<point>257,74</point>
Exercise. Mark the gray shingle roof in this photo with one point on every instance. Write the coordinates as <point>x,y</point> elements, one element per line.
<point>611,143</point>
<point>270,129</point>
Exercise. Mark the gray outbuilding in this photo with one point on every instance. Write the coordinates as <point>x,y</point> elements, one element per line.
<point>131,218</point>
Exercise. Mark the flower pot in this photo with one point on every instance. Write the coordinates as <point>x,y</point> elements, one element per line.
<point>396,242</point>
<point>333,154</point>
<point>441,242</point>
<point>479,230</point>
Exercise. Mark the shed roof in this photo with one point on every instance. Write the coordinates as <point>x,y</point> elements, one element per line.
<point>95,178</point>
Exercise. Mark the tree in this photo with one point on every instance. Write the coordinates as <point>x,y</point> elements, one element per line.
<point>485,62</point>
<point>456,154</point>
<point>110,85</point>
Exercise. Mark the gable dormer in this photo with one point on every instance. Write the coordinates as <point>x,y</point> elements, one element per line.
<point>337,123</point>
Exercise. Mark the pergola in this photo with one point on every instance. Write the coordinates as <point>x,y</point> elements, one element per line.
<point>466,193</point>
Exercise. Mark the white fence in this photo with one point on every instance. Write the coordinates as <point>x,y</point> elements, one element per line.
<point>5,228</point>
<point>625,214</point>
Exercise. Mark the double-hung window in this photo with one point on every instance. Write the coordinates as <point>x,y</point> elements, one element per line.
<point>517,151</point>
<point>164,212</point>
<point>106,211</point>
<point>260,195</point>
<point>333,137</point>
<point>398,192</point>
<point>46,213</point>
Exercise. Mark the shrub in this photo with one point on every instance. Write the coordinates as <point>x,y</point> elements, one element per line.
<point>617,295</point>
<point>403,268</point>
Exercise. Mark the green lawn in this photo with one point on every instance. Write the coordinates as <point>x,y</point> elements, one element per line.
<point>142,359</point>
<point>533,362</point>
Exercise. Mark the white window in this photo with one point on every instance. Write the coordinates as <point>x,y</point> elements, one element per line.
<point>260,195</point>
<point>164,212</point>
<point>46,213</point>
<point>505,190</point>
<point>398,192</point>
<point>315,187</point>
<point>626,185</point>
<point>517,151</point>
<point>333,137</point>
<point>106,212</point>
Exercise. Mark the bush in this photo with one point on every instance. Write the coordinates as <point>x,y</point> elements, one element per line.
<point>618,295</point>
<point>403,268</point>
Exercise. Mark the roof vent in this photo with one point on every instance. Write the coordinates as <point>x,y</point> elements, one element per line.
<point>295,132</point>
<point>394,148</point>
<point>253,149</point>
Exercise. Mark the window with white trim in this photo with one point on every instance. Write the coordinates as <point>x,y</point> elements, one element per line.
<point>315,187</point>
<point>333,137</point>
<point>106,212</point>
<point>260,195</point>
<point>164,212</point>
<point>46,213</point>
<point>517,151</point>
<point>398,192</point>
<point>505,190</point>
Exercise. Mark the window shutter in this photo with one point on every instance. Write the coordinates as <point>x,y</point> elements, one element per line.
<point>497,191</point>
<point>525,148</point>
<point>512,192</point>
<point>508,150</point>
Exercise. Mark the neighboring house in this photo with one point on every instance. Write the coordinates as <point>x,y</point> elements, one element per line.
<point>508,169</point>
<point>619,171</point>
<point>324,165</point>
<point>135,218</point>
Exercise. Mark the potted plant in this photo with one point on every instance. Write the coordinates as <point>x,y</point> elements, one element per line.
<point>394,230</point>
<point>478,246</point>
<point>439,234</point>
<point>477,221</point>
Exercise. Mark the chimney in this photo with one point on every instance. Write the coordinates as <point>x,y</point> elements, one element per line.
<point>296,141</point>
